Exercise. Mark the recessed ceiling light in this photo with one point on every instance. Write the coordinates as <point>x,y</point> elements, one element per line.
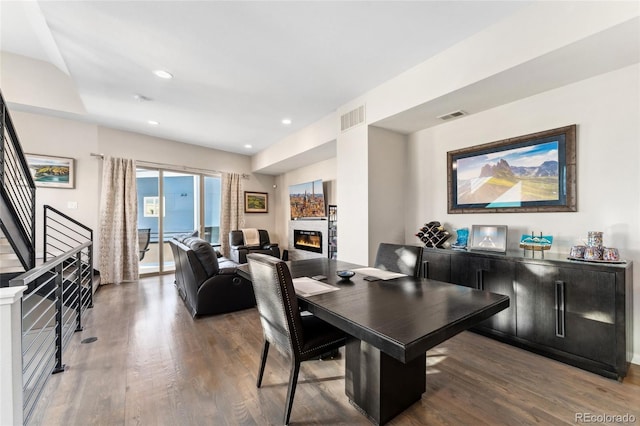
<point>286,121</point>
<point>248,146</point>
<point>163,74</point>
<point>153,122</point>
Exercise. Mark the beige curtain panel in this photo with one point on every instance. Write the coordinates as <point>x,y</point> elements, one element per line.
<point>118,222</point>
<point>232,208</point>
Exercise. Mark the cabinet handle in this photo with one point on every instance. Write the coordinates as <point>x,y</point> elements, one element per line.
<point>479,279</point>
<point>425,269</point>
<point>560,309</point>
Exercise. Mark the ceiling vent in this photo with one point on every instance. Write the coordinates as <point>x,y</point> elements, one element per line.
<point>352,118</point>
<point>454,114</point>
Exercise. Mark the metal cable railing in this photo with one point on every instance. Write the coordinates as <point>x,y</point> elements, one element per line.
<point>17,192</point>
<point>58,293</point>
<point>62,233</point>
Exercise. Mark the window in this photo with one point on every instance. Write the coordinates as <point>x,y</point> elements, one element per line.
<point>189,202</point>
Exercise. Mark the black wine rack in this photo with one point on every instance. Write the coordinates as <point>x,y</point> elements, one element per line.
<point>433,234</point>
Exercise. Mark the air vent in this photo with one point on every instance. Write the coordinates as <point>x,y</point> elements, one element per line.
<point>352,118</point>
<point>454,114</point>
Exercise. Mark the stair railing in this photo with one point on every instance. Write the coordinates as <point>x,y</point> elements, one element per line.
<point>62,233</point>
<point>58,293</point>
<point>17,192</point>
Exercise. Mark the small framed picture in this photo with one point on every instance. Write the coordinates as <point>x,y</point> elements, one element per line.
<point>256,202</point>
<point>52,172</point>
<point>489,238</point>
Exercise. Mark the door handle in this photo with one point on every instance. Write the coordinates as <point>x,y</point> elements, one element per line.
<point>560,307</point>
<point>425,269</point>
<point>480,279</point>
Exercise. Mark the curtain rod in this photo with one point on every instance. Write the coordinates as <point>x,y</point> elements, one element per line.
<point>172,166</point>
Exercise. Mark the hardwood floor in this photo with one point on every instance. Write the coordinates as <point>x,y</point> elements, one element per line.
<point>154,365</point>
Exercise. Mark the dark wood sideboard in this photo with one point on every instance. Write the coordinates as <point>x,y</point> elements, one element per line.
<point>580,313</point>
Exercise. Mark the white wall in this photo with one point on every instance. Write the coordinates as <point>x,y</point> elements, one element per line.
<point>534,31</point>
<point>37,83</point>
<point>68,138</point>
<point>353,195</point>
<point>309,138</point>
<point>387,180</point>
<point>40,134</point>
<point>606,109</point>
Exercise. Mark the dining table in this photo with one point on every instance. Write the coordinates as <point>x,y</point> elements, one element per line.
<point>391,322</point>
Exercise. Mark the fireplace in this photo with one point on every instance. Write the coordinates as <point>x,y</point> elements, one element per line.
<point>307,240</point>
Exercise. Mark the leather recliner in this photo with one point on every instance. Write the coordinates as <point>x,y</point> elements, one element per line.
<point>238,250</point>
<point>207,284</point>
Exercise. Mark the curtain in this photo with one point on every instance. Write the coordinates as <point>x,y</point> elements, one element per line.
<point>232,208</point>
<point>118,222</point>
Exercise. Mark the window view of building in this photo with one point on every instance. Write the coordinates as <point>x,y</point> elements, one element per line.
<point>189,203</point>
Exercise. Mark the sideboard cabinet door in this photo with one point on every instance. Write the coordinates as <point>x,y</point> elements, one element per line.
<point>437,266</point>
<point>570,309</point>
<point>489,274</point>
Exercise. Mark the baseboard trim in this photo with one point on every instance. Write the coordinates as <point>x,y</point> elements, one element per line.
<point>636,359</point>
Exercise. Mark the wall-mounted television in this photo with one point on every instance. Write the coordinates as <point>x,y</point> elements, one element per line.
<point>306,200</point>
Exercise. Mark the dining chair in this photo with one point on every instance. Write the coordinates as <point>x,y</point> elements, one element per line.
<point>300,338</point>
<point>144,236</point>
<point>405,259</point>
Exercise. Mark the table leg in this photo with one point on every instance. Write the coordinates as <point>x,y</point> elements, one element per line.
<point>379,385</point>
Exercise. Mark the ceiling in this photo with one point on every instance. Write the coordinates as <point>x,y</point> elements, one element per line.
<point>239,67</point>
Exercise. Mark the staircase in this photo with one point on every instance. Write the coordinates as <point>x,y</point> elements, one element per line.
<point>17,197</point>
<point>9,262</point>
<point>41,306</point>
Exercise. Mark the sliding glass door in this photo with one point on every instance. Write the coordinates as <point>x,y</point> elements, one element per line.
<point>171,204</point>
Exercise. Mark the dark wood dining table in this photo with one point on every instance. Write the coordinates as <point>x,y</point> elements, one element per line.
<point>391,325</point>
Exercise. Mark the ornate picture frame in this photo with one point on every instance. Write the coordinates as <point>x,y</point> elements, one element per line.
<point>530,173</point>
<point>256,202</point>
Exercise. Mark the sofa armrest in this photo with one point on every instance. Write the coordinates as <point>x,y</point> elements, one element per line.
<point>224,293</point>
<point>275,250</point>
<point>239,254</point>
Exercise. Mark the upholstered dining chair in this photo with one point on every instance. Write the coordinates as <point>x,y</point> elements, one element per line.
<point>298,337</point>
<point>405,259</point>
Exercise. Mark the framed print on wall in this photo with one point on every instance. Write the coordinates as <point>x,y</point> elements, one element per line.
<point>256,202</point>
<point>51,172</point>
<point>530,173</point>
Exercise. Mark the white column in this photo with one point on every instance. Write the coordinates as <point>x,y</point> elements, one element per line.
<point>11,411</point>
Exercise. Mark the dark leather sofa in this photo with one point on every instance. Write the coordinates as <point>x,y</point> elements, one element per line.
<point>238,250</point>
<point>207,284</point>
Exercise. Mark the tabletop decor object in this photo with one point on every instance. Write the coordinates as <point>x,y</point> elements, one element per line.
<point>345,275</point>
<point>433,234</point>
<point>593,250</point>
<point>489,238</point>
<point>535,243</point>
<point>461,240</point>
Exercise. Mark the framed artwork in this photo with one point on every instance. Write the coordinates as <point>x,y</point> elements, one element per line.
<point>256,202</point>
<point>489,238</point>
<point>151,206</point>
<point>51,172</point>
<point>530,173</point>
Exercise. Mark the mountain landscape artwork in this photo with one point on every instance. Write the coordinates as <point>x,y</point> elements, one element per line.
<point>510,177</point>
<point>48,171</point>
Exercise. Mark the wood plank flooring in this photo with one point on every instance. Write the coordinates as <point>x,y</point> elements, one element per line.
<point>154,365</point>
